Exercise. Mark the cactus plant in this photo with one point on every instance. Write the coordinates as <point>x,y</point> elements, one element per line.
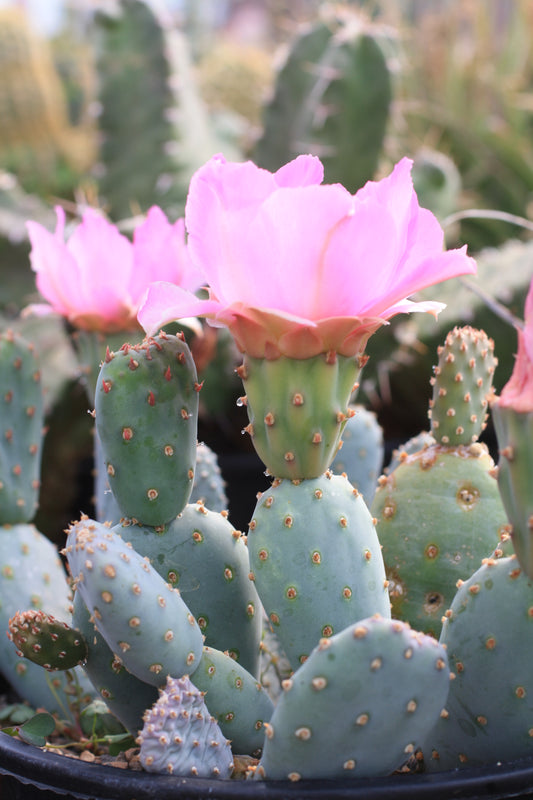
<point>140,390</point>
<point>452,480</point>
<point>315,579</point>
<point>384,685</point>
<point>361,452</point>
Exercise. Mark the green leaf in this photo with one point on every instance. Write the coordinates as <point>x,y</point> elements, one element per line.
<point>118,742</point>
<point>35,730</point>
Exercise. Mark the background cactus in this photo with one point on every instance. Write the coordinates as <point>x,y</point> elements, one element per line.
<point>361,452</point>
<point>331,98</point>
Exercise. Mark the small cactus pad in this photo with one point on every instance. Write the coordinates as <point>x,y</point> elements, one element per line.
<point>316,560</point>
<point>146,408</point>
<point>141,617</point>
<point>235,698</point>
<point>361,452</point>
<point>359,706</point>
<point>47,641</point>
<point>21,429</point>
<point>297,410</point>
<point>201,554</point>
<point>514,432</point>
<point>462,386</point>
<point>180,737</point>
<point>488,634</point>
<point>209,486</point>
<point>439,513</point>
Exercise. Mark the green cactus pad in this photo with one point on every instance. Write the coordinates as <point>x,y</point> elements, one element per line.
<point>21,431</point>
<point>462,386</point>
<point>439,513</point>
<point>209,486</point>
<point>47,641</point>
<point>235,698</point>
<point>297,410</point>
<point>514,431</point>
<point>359,706</point>
<point>361,452</point>
<point>202,555</point>
<point>488,633</point>
<point>146,408</point>
<point>180,737</point>
<point>126,696</point>
<point>143,619</point>
<point>316,561</point>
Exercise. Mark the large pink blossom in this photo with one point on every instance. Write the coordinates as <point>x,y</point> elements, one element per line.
<point>296,267</point>
<point>98,277</point>
<point>518,391</point>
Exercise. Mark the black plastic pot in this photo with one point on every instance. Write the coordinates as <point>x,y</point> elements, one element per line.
<point>29,773</point>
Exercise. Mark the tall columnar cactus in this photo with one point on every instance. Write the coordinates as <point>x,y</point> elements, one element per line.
<point>439,511</point>
<point>316,561</point>
<point>298,409</point>
<point>202,555</point>
<point>359,706</point>
<point>332,96</point>
<point>22,417</point>
<point>146,408</point>
<point>488,636</point>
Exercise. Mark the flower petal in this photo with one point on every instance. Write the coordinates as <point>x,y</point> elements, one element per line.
<point>165,302</point>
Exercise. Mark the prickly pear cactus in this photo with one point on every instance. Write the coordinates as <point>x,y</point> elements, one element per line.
<point>316,561</point>
<point>126,696</point>
<point>332,96</point>
<point>209,485</point>
<point>488,637</point>
<point>361,452</point>
<point>146,408</point>
<point>47,641</point>
<point>22,415</point>
<point>462,386</point>
<point>236,699</point>
<point>514,431</point>
<point>297,410</point>
<point>180,737</point>
<point>384,686</point>
<point>206,559</point>
<point>140,616</point>
<point>412,445</point>
<point>32,577</point>
<point>439,510</point>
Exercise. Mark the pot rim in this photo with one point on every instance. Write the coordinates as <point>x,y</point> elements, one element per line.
<point>44,770</point>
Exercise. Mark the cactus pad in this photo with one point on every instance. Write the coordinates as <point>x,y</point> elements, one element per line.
<point>47,641</point>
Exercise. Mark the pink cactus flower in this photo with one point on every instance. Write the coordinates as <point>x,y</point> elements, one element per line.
<point>97,278</point>
<point>296,267</point>
<point>518,391</point>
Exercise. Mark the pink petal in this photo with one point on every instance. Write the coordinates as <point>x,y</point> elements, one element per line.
<point>165,302</point>
<point>302,171</point>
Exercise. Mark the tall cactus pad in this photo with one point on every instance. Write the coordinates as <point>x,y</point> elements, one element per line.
<point>488,634</point>
<point>146,408</point>
<point>297,410</point>
<point>206,559</point>
<point>462,386</point>
<point>439,514</point>
<point>143,619</point>
<point>316,561</point>
<point>21,432</point>
<point>361,452</point>
<point>209,486</point>
<point>514,431</point>
<point>359,706</point>
<point>180,737</point>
